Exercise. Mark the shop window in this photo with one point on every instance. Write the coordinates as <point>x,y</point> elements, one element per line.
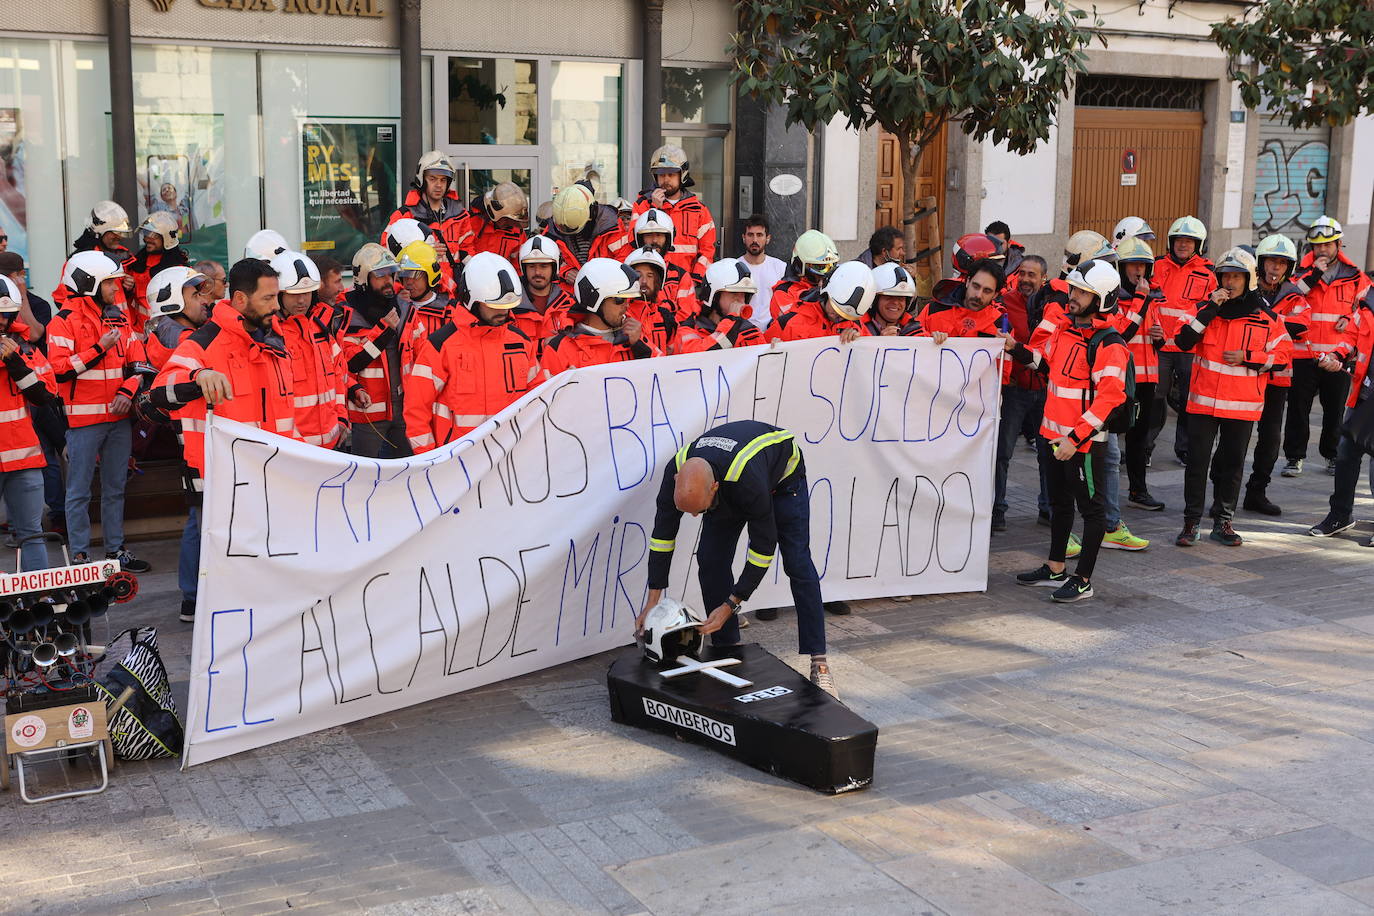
<point>697,116</point>
<point>706,159</point>
<point>493,101</point>
<point>696,96</point>
<point>586,130</point>
<point>30,163</point>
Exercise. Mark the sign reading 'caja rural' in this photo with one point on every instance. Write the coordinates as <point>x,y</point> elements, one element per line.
<point>371,9</point>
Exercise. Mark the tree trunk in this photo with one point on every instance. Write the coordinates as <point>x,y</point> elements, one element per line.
<point>909,153</point>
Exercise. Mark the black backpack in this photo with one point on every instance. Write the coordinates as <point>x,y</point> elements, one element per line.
<point>1122,418</point>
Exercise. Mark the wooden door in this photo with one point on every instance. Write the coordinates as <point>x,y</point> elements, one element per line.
<point>1167,148</point>
<point>930,182</point>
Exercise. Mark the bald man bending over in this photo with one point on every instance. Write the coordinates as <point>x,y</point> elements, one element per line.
<point>738,474</point>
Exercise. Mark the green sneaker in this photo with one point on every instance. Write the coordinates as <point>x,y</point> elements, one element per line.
<point>1075,547</point>
<point>1122,539</point>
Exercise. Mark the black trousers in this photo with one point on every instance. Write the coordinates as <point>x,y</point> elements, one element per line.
<point>1076,482</point>
<point>1268,433</point>
<point>1175,374</point>
<point>1138,438</point>
<point>1232,439</point>
<point>1331,390</point>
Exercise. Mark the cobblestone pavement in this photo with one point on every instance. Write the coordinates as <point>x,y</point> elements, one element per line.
<point>1197,739</point>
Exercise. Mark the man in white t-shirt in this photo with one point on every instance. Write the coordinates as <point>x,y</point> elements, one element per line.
<point>766,270</point>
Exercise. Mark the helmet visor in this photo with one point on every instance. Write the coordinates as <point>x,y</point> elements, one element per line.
<point>823,269</point>
<point>1321,233</point>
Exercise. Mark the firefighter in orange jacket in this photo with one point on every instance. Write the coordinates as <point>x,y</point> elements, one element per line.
<point>694,241</point>
<point>967,309</point>
<point>107,231</point>
<point>28,383</point>
<point>723,320</point>
<point>1332,284</point>
<point>236,363</point>
<point>1185,279</point>
<point>1351,355</point>
<point>836,308</point>
<point>891,313</point>
<point>100,364</point>
<point>177,308</point>
<point>654,310</point>
<point>476,364</point>
<point>544,307</point>
<point>1137,321</point>
<point>161,250</point>
<point>1277,256</point>
<point>318,388</point>
<point>371,344</point>
<point>814,256</point>
<point>1236,344</point>
<point>433,202</point>
<point>496,222</point>
<point>429,307</point>
<point>405,232</point>
<point>604,332</point>
<point>1086,362</point>
<point>585,230</point>
<point>654,229</point>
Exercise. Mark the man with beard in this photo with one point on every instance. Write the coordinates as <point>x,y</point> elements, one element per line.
<point>318,387</point>
<point>694,238</point>
<point>604,332</point>
<point>723,321</point>
<point>372,347</point>
<point>161,250</point>
<point>763,267</point>
<point>543,309</point>
<point>654,310</point>
<point>107,230</point>
<point>476,364</point>
<point>433,202</point>
<point>237,364</point>
<point>1023,395</point>
<point>654,230</point>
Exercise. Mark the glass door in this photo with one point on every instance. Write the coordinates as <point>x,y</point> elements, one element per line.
<point>475,175</point>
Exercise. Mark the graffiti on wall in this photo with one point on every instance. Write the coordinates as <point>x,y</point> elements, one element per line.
<point>1290,185</point>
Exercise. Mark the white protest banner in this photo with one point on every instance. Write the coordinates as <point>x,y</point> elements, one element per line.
<point>335,588</point>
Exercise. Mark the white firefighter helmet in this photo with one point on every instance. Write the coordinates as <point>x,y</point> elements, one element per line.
<point>296,273</point>
<point>108,216</point>
<point>1277,246</point>
<point>1188,227</point>
<point>851,289</point>
<point>572,207</point>
<point>624,208</point>
<point>505,201</point>
<point>814,251</point>
<point>1239,261</point>
<point>729,275</point>
<point>654,220</point>
<point>650,257</point>
<point>404,231</point>
<point>1132,227</point>
<point>540,249</point>
<point>10,297</point>
<point>433,161</point>
<point>167,290</point>
<point>164,224</point>
<point>892,279</point>
<point>86,270</point>
<point>1099,277</point>
<point>1086,245</point>
<point>601,279</point>
<point>372,259</point>
<point>265,244</point>
<point>670,158</point>
<point>490,279</point>
<point>670,630</point>
<point>1324,229</point>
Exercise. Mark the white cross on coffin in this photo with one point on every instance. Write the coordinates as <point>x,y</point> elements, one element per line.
<point>710,669</point>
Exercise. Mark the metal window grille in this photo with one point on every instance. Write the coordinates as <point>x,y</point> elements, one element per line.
<point>1138,92</point>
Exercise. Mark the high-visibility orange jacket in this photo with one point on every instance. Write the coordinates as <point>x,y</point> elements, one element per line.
<point>1135,315</point>
<point>957,321</point>
<point>259,374</point>
<point>1290,306</point>
<point>372,351</point>
<point>463,373</point>
<point>1079,397</point>
<point>89,377</point>
<point>1356,346</point>
<point>1332,297</point>
<point>318,387</point>
<point>1217,388</point>
<point>694,233</point>
<point>422,321</point>
<point>658,319</point>
<point>143,267</point>
<point>28,381</point>
<point>162,336</point>
<point>609,240</point>
<point>1183,287</point>
<point>481,234</point>
<point>907,326</point>
<point>540,321</point>
<point>578,346</point>
<point>787,292</point>
<point>702,333</point>
<point>803,322</point>
<point>451,222</point>
<point>87,241</point>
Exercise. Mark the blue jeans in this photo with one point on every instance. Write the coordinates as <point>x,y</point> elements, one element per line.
<point>54,491</point>
<point>1017,405</point>
<point>716,557</point>
<point>23,494</point>
<point>1111,481</point>
<point>188,561</point>
<point>111,443</point>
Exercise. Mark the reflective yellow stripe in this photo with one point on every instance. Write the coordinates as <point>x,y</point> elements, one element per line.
<point>757,559</point>
<point>753,448</point>
<point>793,461</point>
<point>658,545</point>
<point>682,455</point>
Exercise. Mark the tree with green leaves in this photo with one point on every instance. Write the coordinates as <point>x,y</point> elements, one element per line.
<point>1311,61</point>
<point>990,67</point>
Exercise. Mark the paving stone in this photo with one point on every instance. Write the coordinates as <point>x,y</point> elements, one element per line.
<point>1193,826</point>
<point>972,882</point>
<point>1058,853</point>
<point>1326,853</point>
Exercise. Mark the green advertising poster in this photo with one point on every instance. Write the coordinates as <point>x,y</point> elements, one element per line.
<point>348,183</point>
<point>181,171</point>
